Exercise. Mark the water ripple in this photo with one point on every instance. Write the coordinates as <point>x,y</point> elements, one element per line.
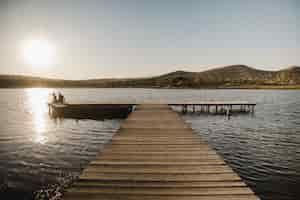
<point>263,149</point>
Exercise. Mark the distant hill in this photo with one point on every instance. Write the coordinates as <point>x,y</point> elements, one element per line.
<point>235,76</point>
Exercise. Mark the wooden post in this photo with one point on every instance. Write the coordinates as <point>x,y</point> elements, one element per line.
<point>227,110</point>
<point>252,108</point>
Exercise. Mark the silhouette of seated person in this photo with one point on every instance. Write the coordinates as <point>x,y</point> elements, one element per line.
<point>54,98</point>
<point>61,98</point>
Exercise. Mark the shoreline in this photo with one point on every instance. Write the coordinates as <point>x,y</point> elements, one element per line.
<point>246,87</point>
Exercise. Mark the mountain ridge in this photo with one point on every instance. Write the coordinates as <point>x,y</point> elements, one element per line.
<point>233,76</point>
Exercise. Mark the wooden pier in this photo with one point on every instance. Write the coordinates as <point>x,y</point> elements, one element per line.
<point>217,107</point>
<point>121,110</point>
<point>89,110</point>
<point>156,155</point>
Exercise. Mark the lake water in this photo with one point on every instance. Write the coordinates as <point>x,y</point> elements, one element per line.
<point>36,151</point>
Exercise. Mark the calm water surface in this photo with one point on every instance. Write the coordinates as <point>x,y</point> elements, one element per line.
<point>36,151</point>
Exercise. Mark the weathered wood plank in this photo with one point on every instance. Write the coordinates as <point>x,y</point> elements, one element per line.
<point>167,154</point>
<point>174,151</point>
<point>164,143</point>
<point>161,146</point>
<point>169,184</point>
<point>160,177</point>
<point>144,163</point>
<point>161,191</point>
<point>152,157</point>
<point>149,137</point>
<point>160,170</point>
<point>76,196</point>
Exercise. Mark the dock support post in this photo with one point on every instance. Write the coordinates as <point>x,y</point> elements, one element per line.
<point>184,108</point>
<point>252,109</point>
<point>228,111</point>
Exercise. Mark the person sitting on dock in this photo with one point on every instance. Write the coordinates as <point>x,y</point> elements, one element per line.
<point>54,98</point>
<point>61,98</point>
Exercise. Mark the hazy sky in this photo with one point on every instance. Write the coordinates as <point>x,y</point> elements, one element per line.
<point>130,38</point>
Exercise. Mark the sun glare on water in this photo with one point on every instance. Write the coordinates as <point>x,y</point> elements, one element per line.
<point>38,52</point>
<point>38,109</point>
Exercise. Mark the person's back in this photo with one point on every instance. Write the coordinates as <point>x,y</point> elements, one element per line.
<point>54,100</point>
<point>59,98</point>
<point>62,99</point>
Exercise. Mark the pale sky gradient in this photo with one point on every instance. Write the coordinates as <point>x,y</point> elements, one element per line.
<point>132,38</point>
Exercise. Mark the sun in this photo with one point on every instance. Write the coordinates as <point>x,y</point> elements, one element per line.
<point>38,52</point>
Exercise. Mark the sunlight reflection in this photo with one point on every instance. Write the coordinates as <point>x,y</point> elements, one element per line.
<point>37,102</point>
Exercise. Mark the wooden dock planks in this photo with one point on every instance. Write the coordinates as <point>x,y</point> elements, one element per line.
<point>155,155</point>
